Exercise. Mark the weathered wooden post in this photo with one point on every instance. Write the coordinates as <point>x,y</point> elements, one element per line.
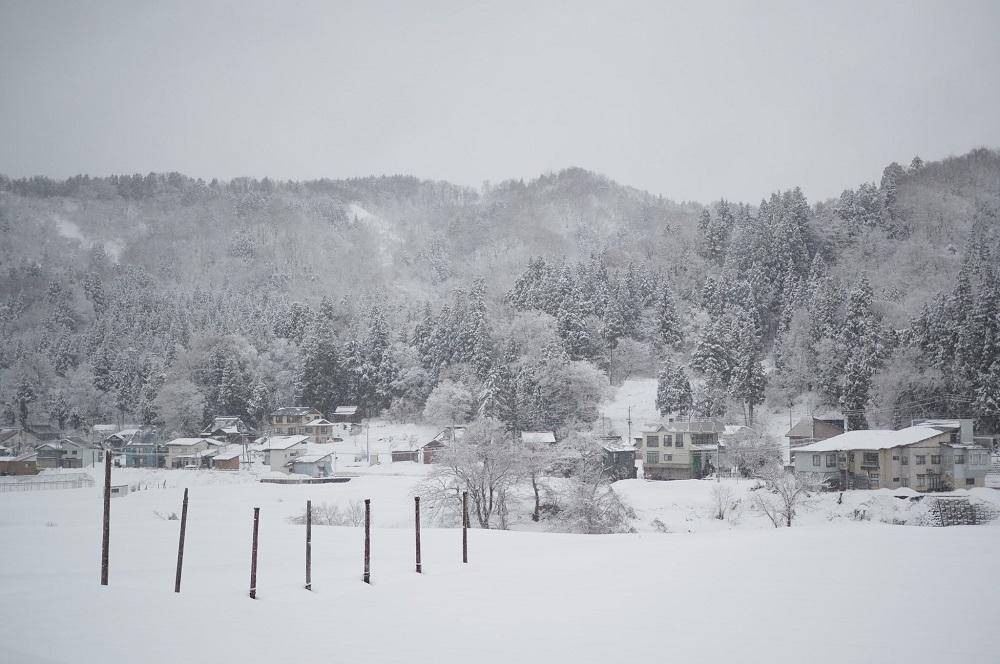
<point>180,543</point>
<point>106,537</point>
<point>309,524</point>
<point>253,554</point>
<point>416,523</point>
<point>465,526</point>
<point>367,578</point>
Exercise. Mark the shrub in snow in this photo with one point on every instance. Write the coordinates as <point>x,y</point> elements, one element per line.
<point>588,504</point>
<point>331,514</point>
<point>782,494</point>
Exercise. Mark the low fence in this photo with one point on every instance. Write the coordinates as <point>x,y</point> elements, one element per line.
<point>45,482</point>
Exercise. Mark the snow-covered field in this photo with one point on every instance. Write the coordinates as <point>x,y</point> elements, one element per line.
<point>830,589</point>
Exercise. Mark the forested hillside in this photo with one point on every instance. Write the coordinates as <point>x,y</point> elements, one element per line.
<point>163,299</point>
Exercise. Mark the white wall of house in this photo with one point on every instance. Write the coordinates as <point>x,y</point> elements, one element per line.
<point>278,459</point>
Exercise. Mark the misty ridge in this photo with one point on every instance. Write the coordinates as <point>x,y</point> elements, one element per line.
<point>161,299</point>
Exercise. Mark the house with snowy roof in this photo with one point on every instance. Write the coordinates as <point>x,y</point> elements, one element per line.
<point>66,453</point>
<point>680,450</point>
<point>538,437</point>
<point>280,450</point>
<point>428,451</point>
<point>229,429</point>
<point>185,452</point>
<point>313,465</point>
<point>925,458</point>
<point>321,430</point>
<point>350,414</point>
<point>291,420</point>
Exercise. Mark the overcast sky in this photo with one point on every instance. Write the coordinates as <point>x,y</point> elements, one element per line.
<point>689,101</point>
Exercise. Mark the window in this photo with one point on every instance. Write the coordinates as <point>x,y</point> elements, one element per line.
<point>953,438</point>
<point>905,459</point>
<point>680,440</point>
<point>652,441</point>
<point>959,459</point>
<point>668,441</point>
<point>668,457</point>
<point>921,481</point>
<point>921,459</point>
<point>970,481</point>
<point>895,479</point>
<point>870,459</point>
<point>652,457</point>
<point>895,457</point>
<point>906,481</point>
<point>935,458</point>
<point>850,457</point>
<point>816,459</point>
<point>831,460</point>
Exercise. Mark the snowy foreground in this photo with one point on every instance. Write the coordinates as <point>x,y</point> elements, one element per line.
<point>829,590</point>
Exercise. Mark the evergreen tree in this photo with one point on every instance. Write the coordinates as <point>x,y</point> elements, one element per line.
<point>320,381</point>
<point>673,391</point>
<point>668,328</point>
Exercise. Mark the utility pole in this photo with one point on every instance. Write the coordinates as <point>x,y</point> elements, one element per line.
<point>629,425</point>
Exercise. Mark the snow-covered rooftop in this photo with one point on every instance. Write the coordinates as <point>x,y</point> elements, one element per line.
<point>538,437</point>
<point>309,458</point>
<point>871,439</point>
<point>283,442</point>
<point>187,442</point>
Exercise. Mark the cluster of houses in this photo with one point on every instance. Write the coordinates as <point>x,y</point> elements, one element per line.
<point>929,455</point>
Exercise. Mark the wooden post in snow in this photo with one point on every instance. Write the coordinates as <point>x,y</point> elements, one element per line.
<point>180,543</point>
<point>367,577</point>
<point>106,536</point>
<point>416,524</point>
<point>253,554</point>
<point>309,524</point>
<point>465,526</point>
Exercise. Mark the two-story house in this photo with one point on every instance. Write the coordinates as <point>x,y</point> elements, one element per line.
<point>680,450</point>
<point>280,450</point>
<point>924,458</point>
<point>184,452</point>
<point>292,420</point>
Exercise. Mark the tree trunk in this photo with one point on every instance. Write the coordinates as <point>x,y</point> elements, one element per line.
<point>535,516</point>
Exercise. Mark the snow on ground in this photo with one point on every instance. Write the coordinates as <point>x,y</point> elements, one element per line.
<point>689,506</point>
<point>733,594</point>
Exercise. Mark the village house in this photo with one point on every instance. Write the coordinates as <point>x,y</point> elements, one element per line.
<point>66,453</point>
<point>811,429</point>
<point>313,465</point>
<point>924,458</point>
<point>227,459</point>
<point>292,420</point>
<point>680,450</point>
<point>229,430</point>
<point>348,414</point>
<point>447,435</point>
<point>140,446</point>
<point>22,440</point>
<point>619,458</point>
<point>280,450</point>
<point>323,431</point>
<point>186,452</point>
<point>21,464</point>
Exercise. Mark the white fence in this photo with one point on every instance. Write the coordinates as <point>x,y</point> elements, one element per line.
<point>45,482</point>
